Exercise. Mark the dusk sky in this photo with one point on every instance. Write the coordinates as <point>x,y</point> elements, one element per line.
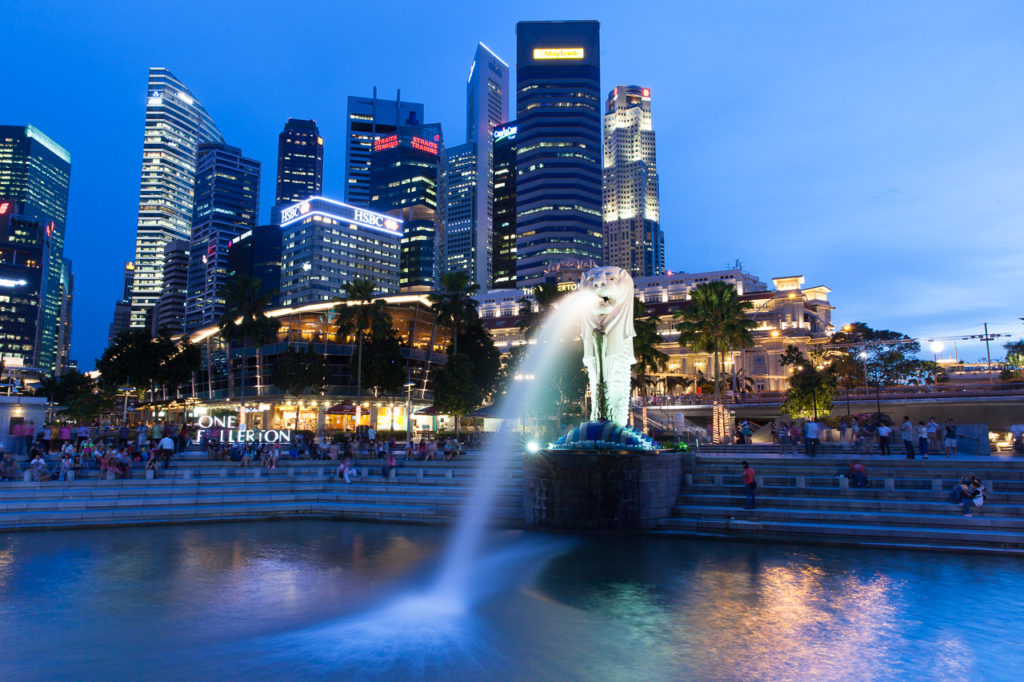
<point>874,147</point>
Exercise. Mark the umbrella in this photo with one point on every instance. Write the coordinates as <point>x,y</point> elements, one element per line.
<point>342,408</point>
<point>488,411</point>
<point>429,411</point>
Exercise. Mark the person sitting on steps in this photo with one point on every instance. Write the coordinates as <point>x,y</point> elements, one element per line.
<point>970,492</point>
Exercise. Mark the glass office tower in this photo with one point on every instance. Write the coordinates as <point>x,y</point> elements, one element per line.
<point>370,118</point>
<point>300,162</point>
<point>227,192</point>
<point>503,250</point>
<point>558,146</point>
<point>176,124</point>
<point>35,174</point>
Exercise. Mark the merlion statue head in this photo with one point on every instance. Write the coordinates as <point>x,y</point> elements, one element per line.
<point>613,312</point>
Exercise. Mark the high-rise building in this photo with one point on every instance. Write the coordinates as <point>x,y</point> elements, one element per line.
<point>35,174</point>
<point>176,124</point>
<point>460,210</point>
<point>256,254</point>
<point>632,230</point>
<point>404,179</point>
<point>300,162</point>
<point>169,311</point>
<point>368,119</point>
<point>67,295</point>
<point>558,150</point>
<point>327,243</point>
<point>24,252</point>
<point>503,249</point>
<point>227,198</point>
<point>486,108</point>
<point>122,308</point>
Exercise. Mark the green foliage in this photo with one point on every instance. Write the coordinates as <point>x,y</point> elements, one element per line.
<point>453,303</point>
<point>360,315</point>
<point>470,376</point>
<point>649,360</point>
<point>139,360</point>
<point>245,318</point>
<point>297,371</point>
<point>813,385</point>
<point>715,322</point>
<point>384,368</point>
<point>891,357</point>
<point>1014,360</point>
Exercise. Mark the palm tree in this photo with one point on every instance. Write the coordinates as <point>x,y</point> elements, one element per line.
<point>715,322</point>
<point>649,359</point>
<point>357,315</point>
<point>245,318</point>
<point>453,303</point>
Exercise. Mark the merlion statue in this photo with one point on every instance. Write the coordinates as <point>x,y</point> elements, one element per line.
<point>608,342</point>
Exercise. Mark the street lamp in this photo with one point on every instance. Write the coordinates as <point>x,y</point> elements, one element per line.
<point>408,417</point>
<point>936,349</point>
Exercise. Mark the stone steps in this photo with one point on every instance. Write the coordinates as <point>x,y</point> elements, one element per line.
<point>937,505</point>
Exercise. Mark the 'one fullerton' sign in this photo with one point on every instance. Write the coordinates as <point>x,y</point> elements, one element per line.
<point>226,430</point>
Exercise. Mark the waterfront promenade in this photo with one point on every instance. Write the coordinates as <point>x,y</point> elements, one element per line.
<point>800,499</point>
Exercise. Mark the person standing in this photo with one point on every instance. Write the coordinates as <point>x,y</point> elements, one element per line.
<point>750,485</point>
<point>842,434</point>
<point>811,429</point>
<point>950,440</point>
<point>934,435</point>
<point>884,432</point>
<point>907,431</point>
<point>166,449</point>
<point>922,439</point>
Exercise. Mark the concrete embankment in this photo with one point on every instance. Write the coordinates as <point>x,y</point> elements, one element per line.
<point>808,500</point>
<point>202,490</point>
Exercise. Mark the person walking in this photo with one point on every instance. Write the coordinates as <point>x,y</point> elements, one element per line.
<point>922,439</point>
<point>842,434</point>
<point>166,449</point>
<point>750,485</point>
<point>907,431</point>
<point>950,440</point>
<point>934,435</point>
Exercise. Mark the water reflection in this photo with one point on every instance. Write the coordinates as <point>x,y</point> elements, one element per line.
<point>323,600</point>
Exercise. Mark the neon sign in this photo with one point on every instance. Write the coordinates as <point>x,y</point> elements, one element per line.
<point>507,131</point>
<point>4,206</point>
<point>12,282</point>
<point>424,145</point>
<point>374,220</point>
<point>558,53</point>
<point>383,143</point>
<point>227,431</point>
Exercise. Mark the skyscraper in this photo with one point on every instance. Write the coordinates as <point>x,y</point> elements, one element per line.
<point>461,191</point>
<point>256,253</point>
<point>503,249</point>
<point>368,119</point>
<point>176,124</point>
<point>326,244</point>
<point>169,310</point>
<point>404,177</point>
<point>227,198</point>
<point>35,175</point>
<point>123,307</point>
<point>632,233</point>
<point>300,162</point>
<point>486,108</point>
<point>558,152</point>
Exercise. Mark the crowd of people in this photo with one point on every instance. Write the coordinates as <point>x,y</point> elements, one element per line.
<point>867,434</point>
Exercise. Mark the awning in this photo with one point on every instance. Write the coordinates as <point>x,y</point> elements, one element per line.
<point>346,407</point>
<point>428,411</point>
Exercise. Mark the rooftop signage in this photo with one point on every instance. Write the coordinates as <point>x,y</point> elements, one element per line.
<point>337,210</point>
<point>558,53</point>
<point>424,145</point>
<point>506,131</point>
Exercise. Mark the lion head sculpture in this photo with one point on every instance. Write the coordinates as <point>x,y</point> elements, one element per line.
<point>612,315</point>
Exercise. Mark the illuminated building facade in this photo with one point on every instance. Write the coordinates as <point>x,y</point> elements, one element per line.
<point>327,243</point>
<point>461,189</point>
<point>404,183</point>
<point>558,150</point>
<point>227,197</point>
<point>503,248</point>
<point>176,124</point>
<point>35,175</point>
<point>24,251</point>
<point>123,307</point>
<point>300,162</point>
<point>632,232</point>
<point>368,119</point>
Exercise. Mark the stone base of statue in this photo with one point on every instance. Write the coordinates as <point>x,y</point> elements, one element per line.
<point>600,477</point>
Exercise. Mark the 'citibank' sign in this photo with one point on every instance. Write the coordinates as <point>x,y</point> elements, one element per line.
<point>226,430</point>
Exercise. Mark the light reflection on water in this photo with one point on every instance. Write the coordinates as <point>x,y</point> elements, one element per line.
<point>321,600</point>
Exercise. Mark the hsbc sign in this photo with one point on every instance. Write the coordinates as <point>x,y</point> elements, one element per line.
<point>336,210</point>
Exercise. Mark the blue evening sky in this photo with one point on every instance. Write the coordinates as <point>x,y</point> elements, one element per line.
<point>874,147</point>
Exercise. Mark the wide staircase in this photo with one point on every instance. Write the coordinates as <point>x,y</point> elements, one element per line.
<point>810,500</point>
<point>198,489</point>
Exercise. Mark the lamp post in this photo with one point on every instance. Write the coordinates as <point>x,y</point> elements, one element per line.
<point>408,417</point>
<point>936,349</point>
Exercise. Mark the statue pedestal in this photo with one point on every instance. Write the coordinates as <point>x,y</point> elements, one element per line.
<point>599,490</point>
